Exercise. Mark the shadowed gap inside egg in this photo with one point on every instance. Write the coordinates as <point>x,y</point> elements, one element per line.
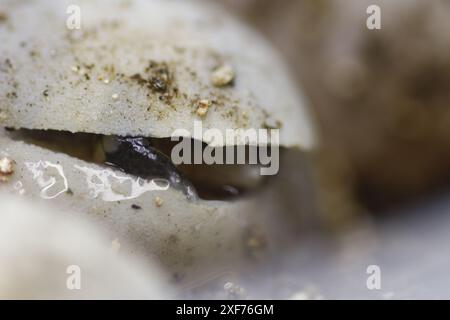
<point>150,158</point>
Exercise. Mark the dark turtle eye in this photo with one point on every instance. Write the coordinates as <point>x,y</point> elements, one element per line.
<point>137,157</point>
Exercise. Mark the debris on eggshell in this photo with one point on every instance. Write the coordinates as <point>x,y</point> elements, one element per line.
<point>202,107</point>
<point>6,165</point>
<point>159,201</point>
<point>6,168</point>
<point>222,76</point>
<point>3,116</point>
<point>255,242</point>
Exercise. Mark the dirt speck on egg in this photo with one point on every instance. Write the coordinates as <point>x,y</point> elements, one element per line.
<point>6,168</point>
<point>203,107</point>
<point>223,76</point>
<point>159,202</point>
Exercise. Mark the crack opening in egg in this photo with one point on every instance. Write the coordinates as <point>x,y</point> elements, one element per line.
<point>149,158</point>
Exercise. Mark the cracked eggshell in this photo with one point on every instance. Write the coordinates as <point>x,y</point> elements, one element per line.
<point>106,77</point>
<point>140,68</point>
<point>38,245</point>
<point>193,240</point>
